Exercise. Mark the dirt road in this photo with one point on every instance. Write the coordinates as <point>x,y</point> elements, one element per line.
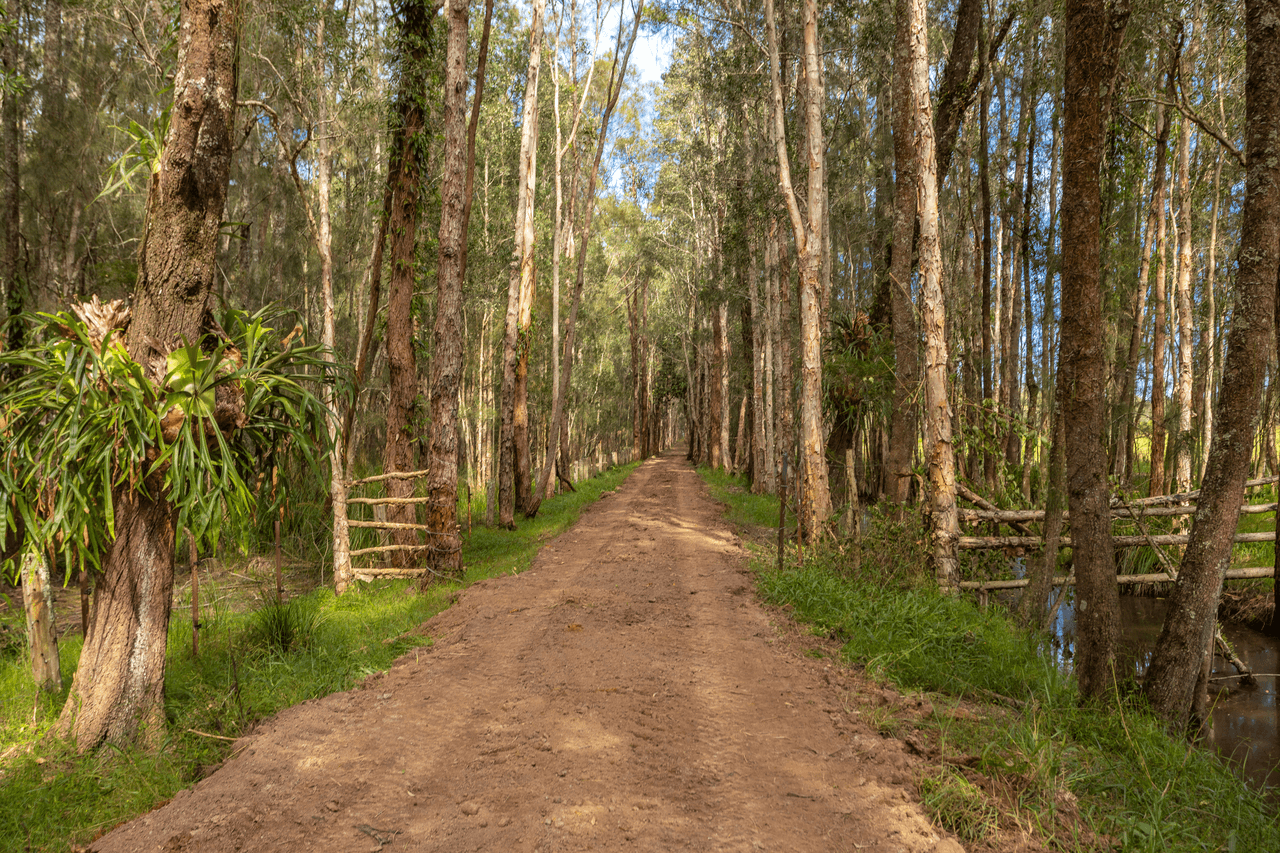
<point>626,693</point>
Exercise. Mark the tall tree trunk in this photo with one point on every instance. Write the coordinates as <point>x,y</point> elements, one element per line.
<point>1140,297</point>
<point>745,453</point>
<point>118,691</point>
<point>988,355</point>
<point>1192,616</point>
<point>715,395</point>
<point>943,520</point>
<point>906,334</point>
<point>1093,32</point>
<point>1029,378</point>
<point>513,459</point>
<point>1160,310</point>
<point>1211,318</point>
<point>562,230</point>
<point>761,460</point>
<point>722,379</point>
<point>1159,338</point>
<point>784,401</point>
<point>816,504</point>
<point>1186,346</point>
<point>444,554</point>
<point>635,308</point>
<point>647,436</point>
<point>1020,252</point>
<point>321,225</point>
<point>1048,363</point>
<point>405,177</point>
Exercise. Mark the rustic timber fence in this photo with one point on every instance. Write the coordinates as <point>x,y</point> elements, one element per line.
<point>581,469</point>
<point>1160,506</point>
<point>365,573</point>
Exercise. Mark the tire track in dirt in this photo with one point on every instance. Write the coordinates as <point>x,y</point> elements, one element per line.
<point>626,693</point>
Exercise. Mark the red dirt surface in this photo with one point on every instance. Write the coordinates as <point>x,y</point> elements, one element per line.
<point>626,693</point>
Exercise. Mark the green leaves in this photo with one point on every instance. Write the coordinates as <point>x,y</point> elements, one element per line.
<point>142,156</point>
<point>82,426</point>
<point>191,376</point>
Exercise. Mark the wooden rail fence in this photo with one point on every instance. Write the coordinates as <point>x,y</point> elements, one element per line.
<point>1159,506</point>
<point>582,469</point>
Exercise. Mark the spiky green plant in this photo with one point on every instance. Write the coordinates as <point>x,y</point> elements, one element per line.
<point>85,425</point>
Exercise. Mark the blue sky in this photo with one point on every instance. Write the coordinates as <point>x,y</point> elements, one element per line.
<point>652,56</point>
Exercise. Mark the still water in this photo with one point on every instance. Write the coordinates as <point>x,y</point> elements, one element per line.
<point>1246,720</point>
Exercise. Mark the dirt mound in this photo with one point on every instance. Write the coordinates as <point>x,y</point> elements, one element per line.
<point>626,693</point>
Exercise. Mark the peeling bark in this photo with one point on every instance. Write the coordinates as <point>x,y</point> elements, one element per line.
<point>815,504</point>
<point>944,525</point>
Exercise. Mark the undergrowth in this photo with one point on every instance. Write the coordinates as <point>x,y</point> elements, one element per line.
<point>252,664</point>
<point>1040,754</point>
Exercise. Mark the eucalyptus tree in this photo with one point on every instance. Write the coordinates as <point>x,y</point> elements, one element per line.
<point>1094,29</point>
<point>514,479</point>
<point>119,686</point>
<point>490,240</point>
<point>563,219</point>
<point>405,180</point>
<point>1186,348</point>
<point>444,554</point>
<point>624,42</point>
<point>906,330</point>
<point>955,96</point>
<point>808,229</point>
<point>913,64</point>
<point>1185,642</point>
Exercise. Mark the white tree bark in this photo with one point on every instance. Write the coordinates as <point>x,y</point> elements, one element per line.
<point>1182,481</point>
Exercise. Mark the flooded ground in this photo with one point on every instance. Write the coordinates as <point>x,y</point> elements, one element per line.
<point>1246,720</point>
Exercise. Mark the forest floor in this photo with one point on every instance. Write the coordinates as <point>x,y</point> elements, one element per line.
<point>628,692</point>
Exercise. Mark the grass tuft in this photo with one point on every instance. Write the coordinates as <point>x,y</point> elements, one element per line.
<point>285,626</point>
<point>958,805</point>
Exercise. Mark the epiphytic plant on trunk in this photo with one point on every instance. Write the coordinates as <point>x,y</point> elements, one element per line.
<point>92,434</point>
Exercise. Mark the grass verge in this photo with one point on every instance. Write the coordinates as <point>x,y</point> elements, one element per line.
<point>1009,748</point>
<point>253,663</point>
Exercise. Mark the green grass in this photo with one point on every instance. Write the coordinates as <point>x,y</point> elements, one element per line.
<point>744,508</point>
<point>957,805</point>
<point>1114,764</point>
<point>252,664</point>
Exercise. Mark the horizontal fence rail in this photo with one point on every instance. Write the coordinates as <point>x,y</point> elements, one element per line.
<point>1159,506</point>
<point>1159,577</point>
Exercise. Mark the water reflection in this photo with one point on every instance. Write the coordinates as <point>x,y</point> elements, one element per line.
<point>1246,720</point>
